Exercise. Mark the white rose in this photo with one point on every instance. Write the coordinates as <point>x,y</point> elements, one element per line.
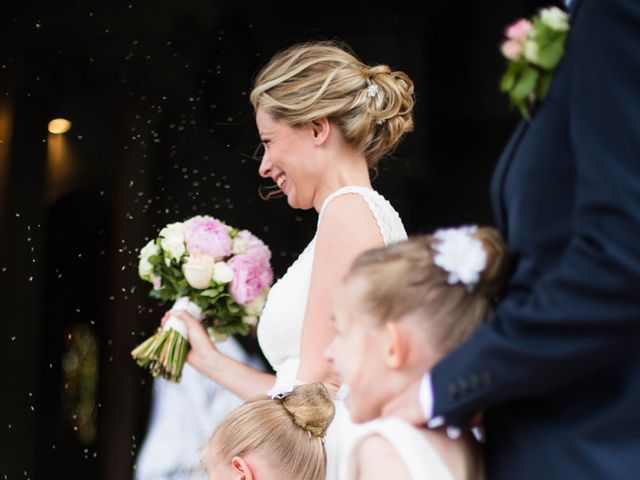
<point>172,240</point>
<point>222,273</point>
<point>145,269</point>
<point>531,51</point>
<point>198,270</point>
<point>250,320</point>
<point>256,305</point>
<point>555,19</point>
<point>238,247</point>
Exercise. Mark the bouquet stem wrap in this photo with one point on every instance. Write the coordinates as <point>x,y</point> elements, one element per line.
<point>164,353</point>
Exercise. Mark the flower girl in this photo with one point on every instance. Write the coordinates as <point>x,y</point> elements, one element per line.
<point>402,308</point>
<point>273,438</point>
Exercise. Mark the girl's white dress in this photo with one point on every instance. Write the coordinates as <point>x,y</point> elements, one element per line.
<point>280,327</point>
<point>418,454</point>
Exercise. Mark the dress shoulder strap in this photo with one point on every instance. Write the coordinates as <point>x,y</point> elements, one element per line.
<point>388,220</point>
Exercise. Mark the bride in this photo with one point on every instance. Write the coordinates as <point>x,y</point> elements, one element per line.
<point>325,119</point>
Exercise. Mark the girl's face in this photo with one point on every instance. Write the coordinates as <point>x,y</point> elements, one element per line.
<point>358,353</point>
<point>289,159</point>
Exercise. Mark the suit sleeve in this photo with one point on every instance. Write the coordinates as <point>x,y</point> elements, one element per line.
<point>585,313</point>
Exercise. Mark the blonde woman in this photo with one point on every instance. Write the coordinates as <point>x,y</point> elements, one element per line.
<point>403,308</point>
<point>325,119</point>
<point>280,438</point>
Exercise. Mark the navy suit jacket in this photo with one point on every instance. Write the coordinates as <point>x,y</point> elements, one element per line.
<point>557,369</point>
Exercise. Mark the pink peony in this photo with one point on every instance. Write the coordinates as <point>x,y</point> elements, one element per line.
<point>511,49</point>
<point>247,243</point>
<point>519,30</point>
<point>207,235</point>
<point>250,278</point>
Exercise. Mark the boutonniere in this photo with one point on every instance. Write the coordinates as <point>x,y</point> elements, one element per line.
<point>534,49</point>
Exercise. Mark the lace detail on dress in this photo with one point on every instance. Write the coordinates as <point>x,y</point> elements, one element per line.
<point>388,220</point>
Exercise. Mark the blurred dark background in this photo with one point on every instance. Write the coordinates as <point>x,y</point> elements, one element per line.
<point>157,93</point>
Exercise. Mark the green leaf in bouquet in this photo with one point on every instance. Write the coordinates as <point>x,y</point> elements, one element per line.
<point>163,294</point>
<point>156,259</point>
<point>542,33</point>
<point>524,86</point>
<point>509,78</point>
<point>240,328</point>
<point>213,292</point>
<point>551,53</point>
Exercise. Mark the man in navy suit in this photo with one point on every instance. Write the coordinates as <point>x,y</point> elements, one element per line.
<point>557,369</point>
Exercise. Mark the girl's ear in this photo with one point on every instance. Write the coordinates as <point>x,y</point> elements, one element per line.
<point>320,130</point>
<point>241,469</point>
<point>397,347</point>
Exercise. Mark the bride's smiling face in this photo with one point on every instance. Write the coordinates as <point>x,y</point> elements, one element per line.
<point>289,159</point>
<point>357,354</point>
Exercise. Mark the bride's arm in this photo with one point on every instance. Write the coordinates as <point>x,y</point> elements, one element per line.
<point>240,379</point>
<point>347,228</point>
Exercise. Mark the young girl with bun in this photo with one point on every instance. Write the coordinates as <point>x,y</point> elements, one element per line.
<point>273,438</point>
<point>402,308</point>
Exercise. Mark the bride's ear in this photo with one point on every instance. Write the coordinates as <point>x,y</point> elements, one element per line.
<point>397,347</point>
<point>320,130</point>
<point>241,469</point>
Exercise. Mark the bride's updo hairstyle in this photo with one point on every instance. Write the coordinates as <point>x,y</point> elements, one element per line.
<point>404,279</point>
<point>371,105</point>
<point>287,433</point>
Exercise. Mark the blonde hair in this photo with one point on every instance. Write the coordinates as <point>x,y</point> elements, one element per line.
<point>288,433</point>
<point>402,279</point>
<point>371,105</point>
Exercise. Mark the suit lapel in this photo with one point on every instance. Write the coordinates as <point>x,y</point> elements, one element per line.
<point>497,188</point>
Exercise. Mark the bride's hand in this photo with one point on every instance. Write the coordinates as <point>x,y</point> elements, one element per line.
<point>202,348</point>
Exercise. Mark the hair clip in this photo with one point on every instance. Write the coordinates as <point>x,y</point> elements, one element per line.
<point>372,91</point>
<point>460,255</point>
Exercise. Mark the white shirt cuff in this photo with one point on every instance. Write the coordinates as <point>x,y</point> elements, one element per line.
<point>426,396</point>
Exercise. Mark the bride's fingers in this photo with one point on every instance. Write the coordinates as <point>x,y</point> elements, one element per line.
<point>184,316</point>
<point>165,318</point>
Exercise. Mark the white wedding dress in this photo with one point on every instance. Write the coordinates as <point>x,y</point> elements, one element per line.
<point>280,327</point>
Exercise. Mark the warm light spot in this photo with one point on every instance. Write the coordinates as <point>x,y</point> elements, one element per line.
<point>59,125</point>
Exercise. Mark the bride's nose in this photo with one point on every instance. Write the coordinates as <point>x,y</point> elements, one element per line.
<point>265,167</point>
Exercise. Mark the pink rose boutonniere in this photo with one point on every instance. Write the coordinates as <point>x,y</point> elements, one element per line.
<point>533,49</point>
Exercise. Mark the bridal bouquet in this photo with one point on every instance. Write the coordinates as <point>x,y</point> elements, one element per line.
<point>218,274</point>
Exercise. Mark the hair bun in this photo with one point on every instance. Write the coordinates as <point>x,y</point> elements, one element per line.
<point>311,408</point>
<point>493,276</point>
<point>391,109</point>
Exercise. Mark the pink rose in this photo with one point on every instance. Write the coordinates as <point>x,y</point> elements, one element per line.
<point>511,49</point>
<point>207,235</point>
<point>519,30</point>
<point>246,243</point>
<point>250,278</point>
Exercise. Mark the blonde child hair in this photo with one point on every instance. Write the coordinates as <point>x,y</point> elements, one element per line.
<point>288,433</point>
<point>404,278</point>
